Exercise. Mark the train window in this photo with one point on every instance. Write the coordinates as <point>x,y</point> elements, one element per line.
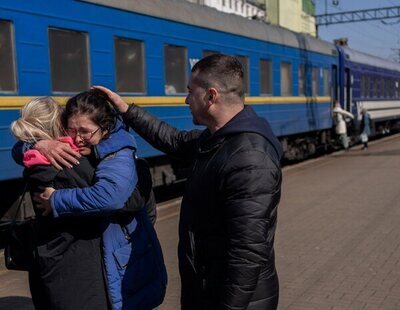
<point>374,86</point>
<point>208,53</point>
<point>382,84</point>
<point>245,64</point>
<point>362,86</point>
<point>327,82</point>
<point>315,83</point>
<point>391,88</point>
<point>7,64</point>
<point>266,77</point>
<point>129,65</point>
<point>368,87</point>
<point>175,60</point>
<point>286,79</point>
<point>302,80</point>
<point>387,88</point>
<point>68,56</point>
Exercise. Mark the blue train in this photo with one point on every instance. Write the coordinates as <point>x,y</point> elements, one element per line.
<point>144,50</point>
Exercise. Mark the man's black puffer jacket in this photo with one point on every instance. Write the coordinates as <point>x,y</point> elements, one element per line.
<point>228,212</point>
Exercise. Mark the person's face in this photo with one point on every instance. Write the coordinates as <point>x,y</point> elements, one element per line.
<point>84,132</point>
<point>197,99</point>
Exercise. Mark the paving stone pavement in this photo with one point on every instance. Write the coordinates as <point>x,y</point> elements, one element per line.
<point>337,241</point>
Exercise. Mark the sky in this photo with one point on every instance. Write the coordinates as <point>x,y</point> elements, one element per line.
<point>372,37</point>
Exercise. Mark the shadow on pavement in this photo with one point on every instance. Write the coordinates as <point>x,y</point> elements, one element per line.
<point>16,303</point>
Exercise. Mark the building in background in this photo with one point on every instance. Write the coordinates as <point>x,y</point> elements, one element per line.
<point>296,15</point>
<point>247,8</point>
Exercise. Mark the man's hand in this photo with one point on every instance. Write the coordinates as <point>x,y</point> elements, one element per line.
<point>58,153</point>
<point>114,98</point>
<point>43,201</point>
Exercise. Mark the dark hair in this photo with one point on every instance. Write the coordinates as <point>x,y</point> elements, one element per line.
<point>95,104</point>
<point>222,70</point>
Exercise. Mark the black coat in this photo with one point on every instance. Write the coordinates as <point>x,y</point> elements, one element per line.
<point>67,273</point>
<point>228,213</point>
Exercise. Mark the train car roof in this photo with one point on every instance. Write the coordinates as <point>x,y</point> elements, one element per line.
<point>366,59</point>
<point>199,15</point>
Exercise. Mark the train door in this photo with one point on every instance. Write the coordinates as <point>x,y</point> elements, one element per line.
<point>334,85</point>
<point>347,89</point>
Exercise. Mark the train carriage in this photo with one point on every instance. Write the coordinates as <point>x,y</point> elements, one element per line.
<point>145,50</point>
<point>372,83</point>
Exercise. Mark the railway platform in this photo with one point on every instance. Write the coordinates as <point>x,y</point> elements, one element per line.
<point>337,241</point>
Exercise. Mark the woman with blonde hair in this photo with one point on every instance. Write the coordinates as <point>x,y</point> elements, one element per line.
<point>40,120</point>
<point>68,250</point>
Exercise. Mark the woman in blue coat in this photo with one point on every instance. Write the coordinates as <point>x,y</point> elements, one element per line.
<point>134,269</point>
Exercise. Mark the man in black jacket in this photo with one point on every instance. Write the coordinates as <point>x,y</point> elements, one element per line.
<point>228,213</point>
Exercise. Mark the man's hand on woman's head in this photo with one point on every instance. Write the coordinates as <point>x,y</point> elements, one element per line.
<point>114,98</point>
<point>58,153</point>
<point>43,200</point>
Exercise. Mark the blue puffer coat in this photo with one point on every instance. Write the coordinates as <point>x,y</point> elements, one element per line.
<point>134,267</point>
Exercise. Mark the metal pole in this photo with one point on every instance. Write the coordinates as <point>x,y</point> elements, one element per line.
<point>326,7</point>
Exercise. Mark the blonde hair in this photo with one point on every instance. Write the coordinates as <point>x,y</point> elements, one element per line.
<point>40,119</point>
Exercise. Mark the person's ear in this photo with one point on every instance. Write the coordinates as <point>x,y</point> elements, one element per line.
<point>212,94</point>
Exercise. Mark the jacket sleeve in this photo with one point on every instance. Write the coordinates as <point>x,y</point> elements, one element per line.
<point>174,142</point>
<point>343,112</point>
<point>250,195</point>
<point>114,182</point>
<point>18,151</point>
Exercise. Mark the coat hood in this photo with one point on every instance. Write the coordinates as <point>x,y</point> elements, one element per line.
<point>120,139</point>
<point>248,121</point>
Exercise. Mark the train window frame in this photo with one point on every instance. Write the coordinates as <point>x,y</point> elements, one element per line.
<point>170,89</point>
<point>87,54</point>
<point>290,84</point>
<point>134,74</point>
<point>302,80</point>
<point>11,59</point>
<point>269,82</point>
<point>245,62</point>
